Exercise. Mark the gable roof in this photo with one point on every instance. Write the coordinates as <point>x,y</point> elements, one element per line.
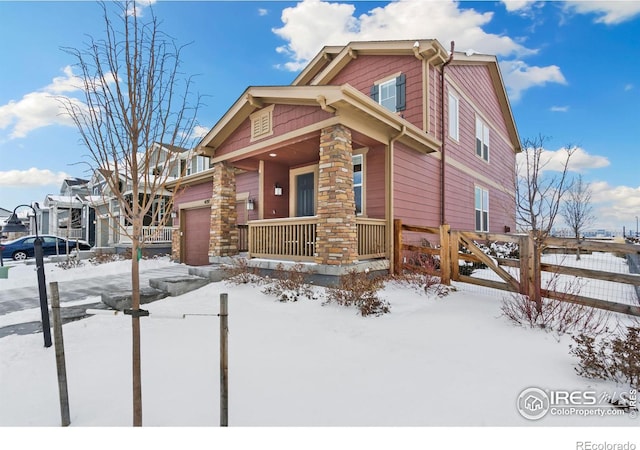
<point>347,103</point>
<point>311,87</point>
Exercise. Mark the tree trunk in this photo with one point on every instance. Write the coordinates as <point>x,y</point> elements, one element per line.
<point>135,325</point>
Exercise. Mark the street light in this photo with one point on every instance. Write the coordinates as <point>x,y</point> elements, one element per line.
<point>15,225</point>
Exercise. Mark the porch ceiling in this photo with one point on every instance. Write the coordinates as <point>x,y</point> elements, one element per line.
<point>297,152</point>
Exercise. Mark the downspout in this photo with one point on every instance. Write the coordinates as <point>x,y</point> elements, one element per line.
<point>442,151</point>
<point>390,205</point>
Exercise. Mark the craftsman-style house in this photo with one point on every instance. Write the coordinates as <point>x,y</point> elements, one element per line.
<point>367,133</point>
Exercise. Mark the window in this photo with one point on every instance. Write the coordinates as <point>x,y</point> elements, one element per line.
<point>391,93</point>
<point>453,116</point>
<point>261,123</point>
<point>357,182</point>
<point>482,140</point>
<point>482,209</point>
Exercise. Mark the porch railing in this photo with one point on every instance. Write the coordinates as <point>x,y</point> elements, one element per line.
<point>72,233</point>
<point>294,238</point>
<point>291,238</point>
<point>150,234</point>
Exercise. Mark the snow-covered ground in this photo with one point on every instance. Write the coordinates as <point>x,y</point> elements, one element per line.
<point>431,362</point>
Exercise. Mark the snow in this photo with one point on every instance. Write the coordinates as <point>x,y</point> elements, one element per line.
<point>432,362</point>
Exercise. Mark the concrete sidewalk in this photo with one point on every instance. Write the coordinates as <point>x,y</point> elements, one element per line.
<point>20,299</point>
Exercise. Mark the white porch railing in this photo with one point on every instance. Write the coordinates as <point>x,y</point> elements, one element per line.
<point>295,238</point>
<point>72,233</point>
<point>149,234</point>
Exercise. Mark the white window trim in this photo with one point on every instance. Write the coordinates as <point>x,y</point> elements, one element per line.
<point>362,156</point>
<point>454,129</point>
<point>391,83</point>
<point>484,128</point>
<point>484,195</point>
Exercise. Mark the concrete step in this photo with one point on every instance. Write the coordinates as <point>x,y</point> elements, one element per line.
<point>213,273</point>
<point>179,285</point>
<point>122,300</point>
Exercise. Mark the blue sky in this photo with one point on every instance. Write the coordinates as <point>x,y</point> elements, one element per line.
<point>571,70</point>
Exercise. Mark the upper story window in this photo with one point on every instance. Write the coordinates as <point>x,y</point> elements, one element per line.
<point>391,93</point>
<point>453,117</point>
<point>482,139</point>
<point>262,123</point>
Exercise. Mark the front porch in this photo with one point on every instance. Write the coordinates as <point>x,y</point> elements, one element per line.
<point>294,239</point>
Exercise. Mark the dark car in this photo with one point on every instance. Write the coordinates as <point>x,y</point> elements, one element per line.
<point>23,248</point>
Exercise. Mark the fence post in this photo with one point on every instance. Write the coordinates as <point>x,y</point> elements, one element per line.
<point>533,279</point>
<point>60,359</point>
<point>525,260</point>
<point>224,366</point>
<point>397,246</point>
<point>454,260</point>
<point>445,252</point>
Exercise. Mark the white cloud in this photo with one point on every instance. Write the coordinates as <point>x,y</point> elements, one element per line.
<point>553,160</point>
<point>518,77</point>
<point>615,205</point>
<point>608,12</point>
<point>517,5</point>
<point>31,177</point>
<point>559,108</point>
<point>263,11</point>
<point>41,108</point>
<point>312,24</point>
<point>137,8</point>
<point>199,131</point>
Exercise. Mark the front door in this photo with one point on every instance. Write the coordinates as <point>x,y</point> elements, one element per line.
<point>305,194</point>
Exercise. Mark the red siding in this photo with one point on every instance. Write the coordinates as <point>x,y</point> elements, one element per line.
<point>365,70</point>
<point>286,118</point>
<point>192,193</point>
<point>375,182</point>
<point>249,182</point>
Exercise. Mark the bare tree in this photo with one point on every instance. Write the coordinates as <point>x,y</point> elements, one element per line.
<point>539,189</point>
<point>134,98</point>
<point>576,209</point>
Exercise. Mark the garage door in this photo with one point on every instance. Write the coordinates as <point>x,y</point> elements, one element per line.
<point>197,225</point>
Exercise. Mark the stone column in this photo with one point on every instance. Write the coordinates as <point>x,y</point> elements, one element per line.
<point>336,235</point>
<point>223,239</point>
<point>175,244</point>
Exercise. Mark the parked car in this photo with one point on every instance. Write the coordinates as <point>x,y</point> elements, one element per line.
<point>23,248</point>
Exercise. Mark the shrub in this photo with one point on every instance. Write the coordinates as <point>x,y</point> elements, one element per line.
<point>70,263</point>
<point>359,289</point>
<point>615,357</point>
<point>421,275</point>
<point>239,272</point>
<point>556,315</point>
<point>103,258</point>
<point>290,285</point>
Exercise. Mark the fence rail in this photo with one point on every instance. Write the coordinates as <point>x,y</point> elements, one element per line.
<point>149,234</point>
<point>526,273</point>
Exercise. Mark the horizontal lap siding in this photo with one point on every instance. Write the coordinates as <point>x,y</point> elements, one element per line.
<point>416,187</point>
<point>286,118</point>
<point>192,193</point>
<point>478,97</point>
<point>375,182</point>
<point>248,182</point>
<point>365,70</point>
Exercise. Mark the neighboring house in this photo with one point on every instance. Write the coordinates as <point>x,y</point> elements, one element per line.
<point>68,214</point>
<point>112,227</point>
<point>367,133</point>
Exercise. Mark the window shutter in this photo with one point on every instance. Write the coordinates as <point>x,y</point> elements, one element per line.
<point>374,92</point>
<point>401,97</point>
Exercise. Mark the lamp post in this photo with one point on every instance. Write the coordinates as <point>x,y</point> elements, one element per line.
<point>15,225</point>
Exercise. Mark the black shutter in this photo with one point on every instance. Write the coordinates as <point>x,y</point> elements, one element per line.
<point>374,92</point>
<point>401,95</point>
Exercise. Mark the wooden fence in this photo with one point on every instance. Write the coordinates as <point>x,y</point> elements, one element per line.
<point>456,246</point>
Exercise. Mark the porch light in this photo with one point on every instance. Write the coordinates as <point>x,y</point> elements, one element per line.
<point>250,204</point>
<point>277,190</point>
<point>174,214</point>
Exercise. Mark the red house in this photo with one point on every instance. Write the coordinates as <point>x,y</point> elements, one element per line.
<point>367,133</point>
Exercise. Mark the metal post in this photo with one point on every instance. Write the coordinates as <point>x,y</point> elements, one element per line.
<point>42,289</point>
<point>60,359</point>
<point>224,367</point>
